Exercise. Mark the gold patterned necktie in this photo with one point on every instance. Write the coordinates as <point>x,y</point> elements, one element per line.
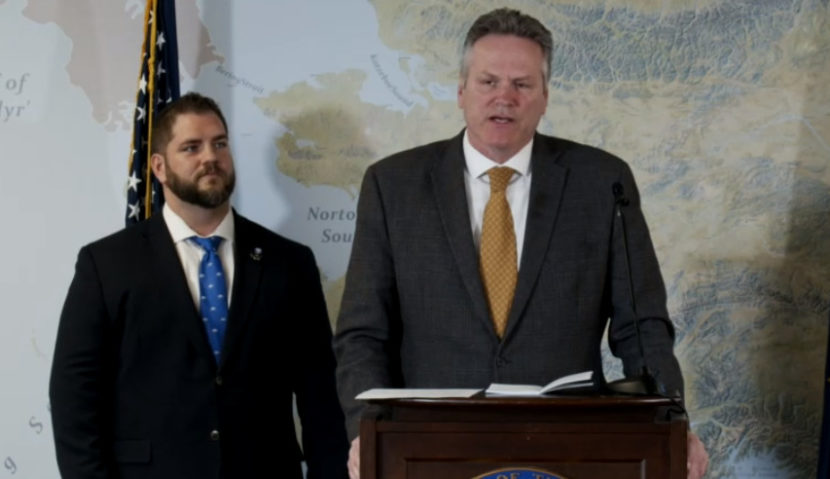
<point>498,249</point>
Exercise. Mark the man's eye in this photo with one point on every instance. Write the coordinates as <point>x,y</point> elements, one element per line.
<point>189,148</point>
<point>220,145</point>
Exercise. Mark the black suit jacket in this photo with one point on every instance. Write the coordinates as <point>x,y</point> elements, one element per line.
<point>414,311</point>
<point>135,390</point>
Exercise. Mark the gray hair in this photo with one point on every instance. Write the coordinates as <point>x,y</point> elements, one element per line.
<point>506,21</point>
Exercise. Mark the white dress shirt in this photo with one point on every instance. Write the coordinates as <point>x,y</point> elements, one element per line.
<point>190,253</point>
<point>477,184</point>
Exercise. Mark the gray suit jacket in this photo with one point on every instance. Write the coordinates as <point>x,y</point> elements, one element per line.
<point>414,312</point>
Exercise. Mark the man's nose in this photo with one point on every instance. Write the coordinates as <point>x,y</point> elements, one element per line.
<point>506,93</point>
<point>209,154</point>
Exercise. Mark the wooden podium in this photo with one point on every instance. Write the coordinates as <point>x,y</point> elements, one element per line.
<point>565,437</point>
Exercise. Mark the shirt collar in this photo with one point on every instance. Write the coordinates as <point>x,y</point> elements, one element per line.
<point>478,164</point>
<point>179,230</point>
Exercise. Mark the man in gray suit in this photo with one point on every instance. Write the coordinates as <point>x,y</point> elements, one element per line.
<point>495,256</point>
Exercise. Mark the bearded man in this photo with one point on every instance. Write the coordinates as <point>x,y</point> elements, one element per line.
<point>183,338</point>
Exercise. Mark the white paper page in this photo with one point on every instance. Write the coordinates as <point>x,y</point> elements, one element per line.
<point>416,393</point>
<point>499,389</point>
<point>572,378</point>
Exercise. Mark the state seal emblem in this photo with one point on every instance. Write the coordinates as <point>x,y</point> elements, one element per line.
<point>519,473</point>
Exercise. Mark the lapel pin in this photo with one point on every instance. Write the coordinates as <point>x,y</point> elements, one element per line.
<point>256,254</point>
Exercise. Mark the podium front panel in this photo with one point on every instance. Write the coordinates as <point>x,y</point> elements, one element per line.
<point>571,439</point>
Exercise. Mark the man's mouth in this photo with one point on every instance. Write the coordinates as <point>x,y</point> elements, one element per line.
<point>501,120</point>
<point>212,178</point>
<point>211,173</point>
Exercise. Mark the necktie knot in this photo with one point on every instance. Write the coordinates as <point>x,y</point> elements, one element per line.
<point>210,244</point>
<point>499,177</point>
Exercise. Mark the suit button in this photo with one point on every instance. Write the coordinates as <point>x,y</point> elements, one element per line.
<point>218,380</point>
<point>214,435</point>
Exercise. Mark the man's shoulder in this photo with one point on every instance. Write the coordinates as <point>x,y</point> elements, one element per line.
<point>420,156</point>
<point>122,239</point>
<point>577,155</point>
<point>125,248</point>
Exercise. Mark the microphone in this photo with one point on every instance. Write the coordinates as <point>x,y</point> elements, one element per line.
<point>644,384</point>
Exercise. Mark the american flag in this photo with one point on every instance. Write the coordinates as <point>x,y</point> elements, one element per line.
<point>158,85</point>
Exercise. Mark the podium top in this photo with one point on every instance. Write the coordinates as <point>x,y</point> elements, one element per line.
<point>555,401</point>
<point>551,407</point>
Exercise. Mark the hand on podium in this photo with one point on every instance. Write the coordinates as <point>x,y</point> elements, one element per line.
<point>697,460</point>
<point>354,459</point>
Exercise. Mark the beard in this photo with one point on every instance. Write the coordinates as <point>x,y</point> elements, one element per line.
<point>189,192</point>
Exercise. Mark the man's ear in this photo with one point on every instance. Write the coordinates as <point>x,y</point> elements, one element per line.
<point>157,163</point>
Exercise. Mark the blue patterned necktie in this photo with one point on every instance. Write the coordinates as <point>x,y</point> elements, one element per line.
<point>213,293</point>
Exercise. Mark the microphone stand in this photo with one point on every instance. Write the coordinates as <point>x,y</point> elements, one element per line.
<point>644,384</point>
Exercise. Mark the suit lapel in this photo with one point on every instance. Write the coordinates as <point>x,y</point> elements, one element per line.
<point>248,257</point>
<point>450,195</point>
<point>546,188</point>
<point>170,278</point>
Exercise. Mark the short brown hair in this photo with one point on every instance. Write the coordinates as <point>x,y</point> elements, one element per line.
<point>191,102</point>
<point>506,21</point>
